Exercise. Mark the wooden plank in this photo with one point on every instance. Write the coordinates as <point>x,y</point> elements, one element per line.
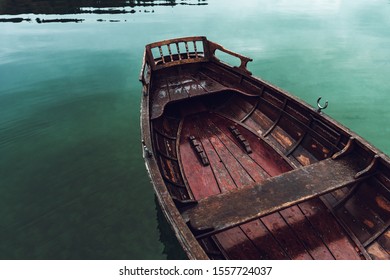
<point>176,89</point>
<point>251,167</point>
<point>205,181</point>
<point>208,83</point>
<point>264,241</point>
<point>378,199</point>
<point>259,122</point>
<point>259,235</point>
<point>355,225</point>
<point>224,180</point>
<point>331,232</point>
<point>232,110</point>
<point>286,237</point>
<point>303,156</point>
<point>377,252</point>
<point>284,139</point>
<point>237,245</point>
<point>361,210</point>
<point>263,154</point>
<point>251,234</point>
<point>236,171</point>
<point>306,233</point>
<point>384,241</point>
<point>192,86</point>
<point>197,175</point>
<point>274,194</point>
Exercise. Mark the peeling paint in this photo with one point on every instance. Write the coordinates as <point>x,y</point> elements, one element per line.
<point>383,203</point>
<point>303,160</point>
<point>282,139</point>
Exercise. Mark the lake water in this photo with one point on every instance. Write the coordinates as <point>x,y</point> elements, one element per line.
<point>73,183</point>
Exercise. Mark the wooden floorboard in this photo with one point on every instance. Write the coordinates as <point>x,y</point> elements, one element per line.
<point>269,160</point>
<point>221,174</point>
<point>332,233</point>
<point>208,83</point>
<point>255,171</point>
<point>176,89</point>
<point>264,241</point>
<point>292,234</point>
<point>193,86</point>
<point>306,233</point>
<point>237,245</point>
<point>286,237</point>
<point>384,241</point>
<point>200,178</point>
<point>205,183</point>
<point>239,175</point>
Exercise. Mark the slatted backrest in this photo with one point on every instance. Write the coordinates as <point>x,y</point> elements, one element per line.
<point>177,51</point>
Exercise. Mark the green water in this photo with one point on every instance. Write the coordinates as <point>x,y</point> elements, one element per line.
<point>72,179</point>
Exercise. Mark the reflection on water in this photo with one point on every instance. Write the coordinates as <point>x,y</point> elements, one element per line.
<point>64,7</point>
<point>172,248</point>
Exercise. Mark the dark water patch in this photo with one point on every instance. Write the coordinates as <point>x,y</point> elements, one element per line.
<point>172,248</point>
<point>21,130</point>
<point>68,192</point>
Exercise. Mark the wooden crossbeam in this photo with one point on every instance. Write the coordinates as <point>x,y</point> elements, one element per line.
<point>216,213</point>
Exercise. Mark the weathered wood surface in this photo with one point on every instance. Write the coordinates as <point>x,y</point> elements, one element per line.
<point>239,206</point>
<point>188,91</point>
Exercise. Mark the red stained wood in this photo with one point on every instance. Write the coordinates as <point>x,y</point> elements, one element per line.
<point>333,235</point>
<point>286,237</point>
<point>220,171</point>
<point>237,172</point>
<point>237,245</point>
<point>255,171</point>
<point>306,233</point>
<point>233,240</point>
<point>264,241</point>
<point>227,172</point>
<point>200,178</point>
<point>269,160</point>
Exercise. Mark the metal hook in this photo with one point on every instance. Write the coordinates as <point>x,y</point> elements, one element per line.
<point>319,105</point>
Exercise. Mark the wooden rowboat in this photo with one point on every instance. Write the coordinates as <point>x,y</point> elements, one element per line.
<point>245,170</point>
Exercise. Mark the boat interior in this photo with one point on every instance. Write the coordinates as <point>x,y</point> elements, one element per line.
<point>219,135</point>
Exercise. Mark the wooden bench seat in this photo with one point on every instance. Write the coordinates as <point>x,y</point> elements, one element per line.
<point>219,212</point>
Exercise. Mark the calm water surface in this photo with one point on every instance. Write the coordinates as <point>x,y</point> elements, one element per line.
<point>72,179</point>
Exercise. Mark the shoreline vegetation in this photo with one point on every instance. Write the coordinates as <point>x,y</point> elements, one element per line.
<point>61,7</point>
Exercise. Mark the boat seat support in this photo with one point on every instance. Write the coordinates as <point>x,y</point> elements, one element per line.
<point>241,139</point>
<point>198,148</point>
